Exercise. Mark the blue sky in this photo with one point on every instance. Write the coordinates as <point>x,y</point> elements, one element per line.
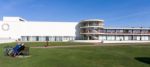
<point>115,12</point>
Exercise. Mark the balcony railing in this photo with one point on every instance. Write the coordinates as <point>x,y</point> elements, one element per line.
<point>92,24</point>
<point>114,33</point>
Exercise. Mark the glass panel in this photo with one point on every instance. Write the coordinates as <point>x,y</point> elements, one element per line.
<point>33,38</point>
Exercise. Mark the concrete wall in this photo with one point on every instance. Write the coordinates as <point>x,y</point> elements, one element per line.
<point>28,28</point>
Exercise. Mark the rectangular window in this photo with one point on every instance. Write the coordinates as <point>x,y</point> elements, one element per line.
<point>47,38</point>
<point>111,31</point>
<point>33,38</point>
<point>134,37</point>
<point>119,31</point>
<point>27,38</point>
<point>24,38</point>
<point>42,38</point>
<point>126,31</point>
<point>102,31</point>
<point>136,31</point>
<point>37,38</point>
<point>110,37</point>
<point>130,31</point>
<point>144,31</point>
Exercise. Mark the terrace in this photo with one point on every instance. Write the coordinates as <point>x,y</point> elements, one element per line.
<point>115,31</point>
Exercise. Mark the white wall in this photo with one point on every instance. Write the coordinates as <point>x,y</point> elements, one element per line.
<point>49,28</point>
<point>18,29</point>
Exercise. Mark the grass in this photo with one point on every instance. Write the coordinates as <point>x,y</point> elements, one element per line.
<point>102,56</point>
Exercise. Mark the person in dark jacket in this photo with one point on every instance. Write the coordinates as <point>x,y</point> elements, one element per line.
<point>16,49</point>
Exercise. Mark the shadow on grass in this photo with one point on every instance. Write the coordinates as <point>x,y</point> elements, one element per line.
<point>145,60</point>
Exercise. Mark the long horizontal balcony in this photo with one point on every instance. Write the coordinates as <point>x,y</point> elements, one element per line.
<point>115,33</point>
<point>92,26</point>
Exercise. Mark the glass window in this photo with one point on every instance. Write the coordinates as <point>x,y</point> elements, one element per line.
<point>37,38</point>
<point>119,31</point>
<point>24,38</point>
<point>33,38</point>
<point>47,38</point>
<point>42,38</point>
<point>136,31</point>
<point>111,31</point>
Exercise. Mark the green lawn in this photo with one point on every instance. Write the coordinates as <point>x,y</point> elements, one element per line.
<point>100,56</point>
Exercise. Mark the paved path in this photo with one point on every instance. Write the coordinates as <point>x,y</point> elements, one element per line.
<point>83,45</point>
<point>65,46</point>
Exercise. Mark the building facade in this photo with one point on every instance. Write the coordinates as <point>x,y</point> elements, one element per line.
<point>92,29</point>
<point>95,30</point>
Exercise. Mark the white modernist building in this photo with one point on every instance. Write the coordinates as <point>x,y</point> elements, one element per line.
<point>12,28</point>
<point>16,27</point>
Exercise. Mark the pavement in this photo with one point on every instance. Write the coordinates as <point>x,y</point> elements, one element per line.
<point>96,45</point>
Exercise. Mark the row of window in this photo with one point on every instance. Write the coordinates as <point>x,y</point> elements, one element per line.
<point>117,38</point>
<point>47,38</point>
<point>114,31</point>
<point>144,38</point>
